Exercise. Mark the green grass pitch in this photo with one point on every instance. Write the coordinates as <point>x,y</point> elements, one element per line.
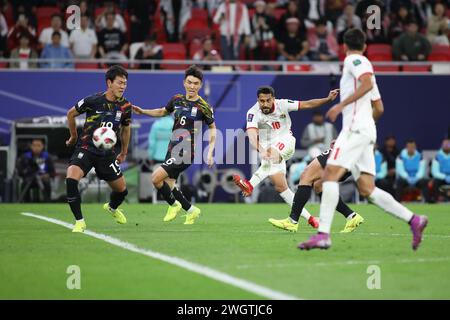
<point>234,239</point>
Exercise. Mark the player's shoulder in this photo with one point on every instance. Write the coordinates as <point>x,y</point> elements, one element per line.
<point>253,109</point>
<point>203,103</point>
<point>124,104</point>
<point>355,60</point>
<point>177,97</point>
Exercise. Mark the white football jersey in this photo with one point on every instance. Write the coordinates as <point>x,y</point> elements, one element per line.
<point>275,124</point>
<point>357,116</point>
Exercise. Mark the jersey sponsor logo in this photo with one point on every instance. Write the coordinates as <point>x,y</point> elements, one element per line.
<point>356,62</point>
<point>118,115</point>
<point>283,116</point>
<point>250,117</point>
<point>194,111</point>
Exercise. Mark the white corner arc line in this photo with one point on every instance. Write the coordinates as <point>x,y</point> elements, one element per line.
<point>191,266</point>
<point>32,101</point>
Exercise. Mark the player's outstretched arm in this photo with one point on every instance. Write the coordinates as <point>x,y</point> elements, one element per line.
<point>377,109</point>
<point>366,86</point>
<point>71,115</point>
<point>160,112</point>
<point>125,134</point>
<point>212,144</point>
<point>314,103</point>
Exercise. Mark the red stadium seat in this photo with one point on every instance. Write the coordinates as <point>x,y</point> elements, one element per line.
<point>439,53</point>
<point>196,33</point>
<point>3,65</point>
<point>193,23</point>
<point>386,68</point>
<point>174,51</point>
<point>46,12</point>
<point>416,68</point>
<point>379,52</point>
<point>341,53</point>
<point>279,12</point>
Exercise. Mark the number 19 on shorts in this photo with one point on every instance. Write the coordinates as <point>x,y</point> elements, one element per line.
<point>115,166</point>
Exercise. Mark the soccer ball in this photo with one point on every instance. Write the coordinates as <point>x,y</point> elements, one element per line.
<point>104,138</point>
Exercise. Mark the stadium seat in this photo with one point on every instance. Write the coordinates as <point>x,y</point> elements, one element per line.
<point>196,33</point>
<point>386,68</point>
<point>341,52</point>
<point>439,53</point>
<point>279,12</point>
<point>379,52</point>
<point>173,51</point>
<point>3,65</point>
<point>416,68</point>
<point>46,12</point>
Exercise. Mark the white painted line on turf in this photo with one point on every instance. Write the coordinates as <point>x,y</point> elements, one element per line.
<point>194,267</point>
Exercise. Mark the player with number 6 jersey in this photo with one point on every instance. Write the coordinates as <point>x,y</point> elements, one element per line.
<point>108,109</point>
<point>269,132</point>
<point>189,110</point>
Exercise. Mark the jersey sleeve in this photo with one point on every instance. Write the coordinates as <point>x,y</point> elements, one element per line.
<point>252,121</point>
<point>126,117</point>
<point>359,66</point>
<point>375,93</point>
<point>84,105</point>
<point>208,116</point>
<point>170,106</point>
<point>289,105</point>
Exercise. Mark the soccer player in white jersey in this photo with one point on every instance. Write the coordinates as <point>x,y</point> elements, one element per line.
<point>269,132</point>
<point>353,150</point>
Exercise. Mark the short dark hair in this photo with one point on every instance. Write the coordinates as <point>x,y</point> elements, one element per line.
<point>56,33</point>
<point>355,39</point>
<point>116,71</point>
<point>317,113</point>
<point>194,71</point>
<point>410,141</point>
<point>265,90</point>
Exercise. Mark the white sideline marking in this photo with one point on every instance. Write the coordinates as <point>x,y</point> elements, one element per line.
<point>32,101</point>
<point>194,267</point>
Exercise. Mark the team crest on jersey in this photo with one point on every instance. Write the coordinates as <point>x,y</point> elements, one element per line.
<point>250,117</point>
<point>283,116</point>
<point>118,115</point>
<point>194,111</point>
<point>356,62</point>
<point>80,155</point>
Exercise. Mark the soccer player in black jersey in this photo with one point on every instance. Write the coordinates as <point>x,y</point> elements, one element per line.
<point>189,110</point>
<point>107,109</point>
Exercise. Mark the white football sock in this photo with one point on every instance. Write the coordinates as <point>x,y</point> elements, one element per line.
<point>386,202</point>
<point>288,197</point>
<point>330,199</point>
<point>259,176</point>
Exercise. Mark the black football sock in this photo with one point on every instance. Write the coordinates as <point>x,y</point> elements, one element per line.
<point>300,199</point>
<point>116,198</point>
<point>73,198</point>
<point>167,194</point>
<point>343,208</point>
<point>180,197</point>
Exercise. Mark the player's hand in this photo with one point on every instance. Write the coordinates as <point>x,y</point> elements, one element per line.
<point>210,160</point>
<point>137,109</point>
<point>333,94</point>
<point>334,112</point>
<point>121,157</point>
<point>71,141</point>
